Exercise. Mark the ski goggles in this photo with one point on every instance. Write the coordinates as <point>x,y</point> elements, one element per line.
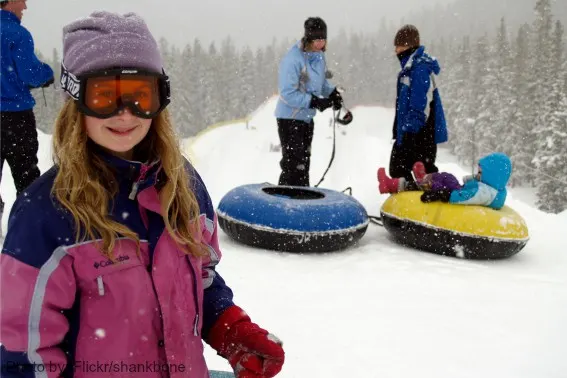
<point>105,93</point>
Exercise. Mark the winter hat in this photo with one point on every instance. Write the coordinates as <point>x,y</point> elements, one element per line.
<point>109,40</point>
<point>315,28</point>
<point>408,36</point>
<point>496,170</point>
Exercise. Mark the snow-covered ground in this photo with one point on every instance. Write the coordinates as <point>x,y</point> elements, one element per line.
<point>380,309</point>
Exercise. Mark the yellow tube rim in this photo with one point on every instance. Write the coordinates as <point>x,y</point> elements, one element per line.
<point>471,220</point>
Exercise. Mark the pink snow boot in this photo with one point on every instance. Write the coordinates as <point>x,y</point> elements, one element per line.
<point>389,185</point>
<point>418,171</point>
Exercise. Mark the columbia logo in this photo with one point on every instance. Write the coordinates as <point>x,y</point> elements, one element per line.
<point>103,263</point>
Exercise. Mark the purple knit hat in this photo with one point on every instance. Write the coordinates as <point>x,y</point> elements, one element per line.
<point>106,40</point>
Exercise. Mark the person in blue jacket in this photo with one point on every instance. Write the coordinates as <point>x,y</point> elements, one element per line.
<point>303,89</point>
<point>419,123</point>
<point>20,71</point>
<point>486,188</point>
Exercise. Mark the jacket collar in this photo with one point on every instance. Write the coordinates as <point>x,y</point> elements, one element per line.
<point>132,172</point>
<point>9,16</point>
<point>310,56</point>
<point>407,62</point>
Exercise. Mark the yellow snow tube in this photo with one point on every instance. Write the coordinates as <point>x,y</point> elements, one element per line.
<point>465,231</point>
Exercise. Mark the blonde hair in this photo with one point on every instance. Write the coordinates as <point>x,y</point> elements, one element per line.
<point>85,184</point>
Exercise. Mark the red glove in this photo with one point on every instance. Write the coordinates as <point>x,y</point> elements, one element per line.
<point>251,351</point>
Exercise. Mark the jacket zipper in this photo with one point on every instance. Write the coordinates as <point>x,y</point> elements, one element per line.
<point>196,299</point>
<point>157,298</point>
<point>143,170</point>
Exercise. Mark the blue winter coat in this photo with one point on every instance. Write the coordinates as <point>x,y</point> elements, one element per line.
<point>21,69</point>
<point>490,191</point>
<point>415,94</point>
<point>301,76</point>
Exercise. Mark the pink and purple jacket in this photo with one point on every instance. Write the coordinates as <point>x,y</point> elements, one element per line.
<point>67,311</point>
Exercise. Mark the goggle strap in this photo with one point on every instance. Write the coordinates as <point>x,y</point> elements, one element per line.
<point>70,83</point>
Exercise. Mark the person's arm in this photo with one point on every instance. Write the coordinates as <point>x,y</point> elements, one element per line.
<point>36,286</point>
<point>328,89</point>
<point>30,69</point>
<point>227,328</point>
<point>474,193</point>
<point>217,296</point>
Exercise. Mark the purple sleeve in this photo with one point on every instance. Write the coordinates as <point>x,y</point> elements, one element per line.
<point>444,180</point>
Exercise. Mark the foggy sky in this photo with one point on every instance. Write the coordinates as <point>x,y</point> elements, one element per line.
<point>252,22</point>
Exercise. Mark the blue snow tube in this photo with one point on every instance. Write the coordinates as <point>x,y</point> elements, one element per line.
<point>291,218</point>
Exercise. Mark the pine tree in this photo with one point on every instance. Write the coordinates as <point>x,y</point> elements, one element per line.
<point>338,61</point>
<point>446,82</point>
<point>503,105</point>
<point>550,158</point>
<point>388,66</point>
<point>515,141</point>
<point>230,96</point>
<point>541,78</point>
<point>482,92</point>
<point>248,95</point>
<point>198,95</point>
<point>211,86</point>
<point>369,85</point>
<point>269,73</point>
<point>258,82</point>
<point>460,88</point>
<point>487,94</point>
<point>184,120</point>
<point>355,81</point>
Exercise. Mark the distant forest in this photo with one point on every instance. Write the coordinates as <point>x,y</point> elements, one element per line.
<point>503,90</point>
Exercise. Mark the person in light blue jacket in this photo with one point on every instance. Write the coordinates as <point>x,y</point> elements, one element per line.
<point>304,88</point>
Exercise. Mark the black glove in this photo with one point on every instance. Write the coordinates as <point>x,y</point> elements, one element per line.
<point>436,195</point>
<point>48,83</point>
<point>320,103</point>
<point>336,99</point>
<point>346,119</point>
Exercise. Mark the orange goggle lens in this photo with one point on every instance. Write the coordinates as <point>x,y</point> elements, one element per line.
<point>104,95</point>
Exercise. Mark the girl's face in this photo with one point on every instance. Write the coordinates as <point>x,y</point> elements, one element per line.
<point>478,174</point>
<point>119,134</point>
<point>316,45</point>
<point>401,49</point>
<point>17,7</point>
<point>319,45</point>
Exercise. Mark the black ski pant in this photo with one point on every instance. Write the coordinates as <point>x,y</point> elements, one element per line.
<point>19,146</point>
<point>295,138</point>
<point>403,158</point>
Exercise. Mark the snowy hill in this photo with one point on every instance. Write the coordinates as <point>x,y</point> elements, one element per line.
<point>380,309</point>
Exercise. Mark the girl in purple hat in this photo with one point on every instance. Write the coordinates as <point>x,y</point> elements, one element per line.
<point>109,264</point>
